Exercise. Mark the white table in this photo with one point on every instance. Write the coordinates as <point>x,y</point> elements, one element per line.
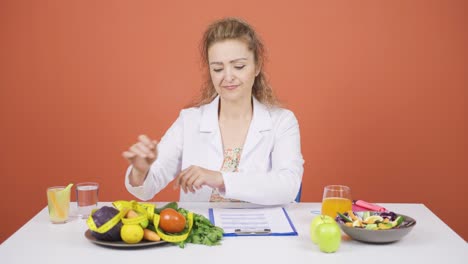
<point>431,241</point>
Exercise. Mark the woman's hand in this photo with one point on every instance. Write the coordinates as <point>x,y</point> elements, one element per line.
<point>141,155</point>
<point>193,178</point>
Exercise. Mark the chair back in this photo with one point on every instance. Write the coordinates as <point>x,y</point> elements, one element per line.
<point>298,197</point>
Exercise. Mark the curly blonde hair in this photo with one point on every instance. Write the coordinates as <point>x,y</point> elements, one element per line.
<point>235,28</point>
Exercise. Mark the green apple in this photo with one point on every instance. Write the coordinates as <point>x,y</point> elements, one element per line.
<point>328,236</point>
<point>318,220</point>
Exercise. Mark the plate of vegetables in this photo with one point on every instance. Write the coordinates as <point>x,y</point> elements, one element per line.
<point>129,224</point>
<point>120,243</point>
<point>375,227</point>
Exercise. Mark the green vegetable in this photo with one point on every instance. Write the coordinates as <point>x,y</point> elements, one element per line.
<point>344,217</point>
<point>172,205</point>
<point>203,231</point>
<point>371,227</point>
<point>397,221</point>
<point>151,227</point>
<point>365,215</point>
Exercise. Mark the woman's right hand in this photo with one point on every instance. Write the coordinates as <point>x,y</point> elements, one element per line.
<point>141,155</point>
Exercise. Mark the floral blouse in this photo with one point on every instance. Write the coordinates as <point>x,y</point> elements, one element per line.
<point>230,164</point>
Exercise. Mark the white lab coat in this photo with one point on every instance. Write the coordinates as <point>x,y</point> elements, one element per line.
<point>271,163</point>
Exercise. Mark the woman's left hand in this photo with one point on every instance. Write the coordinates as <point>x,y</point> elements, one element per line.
<point>194,177</point>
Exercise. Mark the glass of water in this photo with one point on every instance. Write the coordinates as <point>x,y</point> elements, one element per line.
<point>86,198</point>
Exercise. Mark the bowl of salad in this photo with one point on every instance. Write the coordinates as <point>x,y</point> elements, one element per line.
<point>375,227</point>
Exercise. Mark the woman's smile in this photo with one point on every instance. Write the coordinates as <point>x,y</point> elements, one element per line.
<point>230,87</point>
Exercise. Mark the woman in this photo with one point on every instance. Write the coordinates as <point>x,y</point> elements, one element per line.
<point>235,144</point>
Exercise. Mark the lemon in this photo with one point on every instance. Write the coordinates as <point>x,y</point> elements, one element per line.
<point>357,223</point>
<point>131,234</point>
<point>373,219</point>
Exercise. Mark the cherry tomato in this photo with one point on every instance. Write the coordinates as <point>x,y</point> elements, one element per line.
<point>171,221</point>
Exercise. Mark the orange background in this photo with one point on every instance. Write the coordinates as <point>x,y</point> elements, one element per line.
<point>379,88</point>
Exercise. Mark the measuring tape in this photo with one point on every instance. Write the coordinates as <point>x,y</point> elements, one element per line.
<point>105,227</point>
<point>149,210</point>
<point>145,212</point>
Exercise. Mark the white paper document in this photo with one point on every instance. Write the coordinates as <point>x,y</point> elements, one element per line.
<point>258,221</point>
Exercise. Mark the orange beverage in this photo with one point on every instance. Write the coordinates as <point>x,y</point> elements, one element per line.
<point>332,205</point>
<point>336,198</point>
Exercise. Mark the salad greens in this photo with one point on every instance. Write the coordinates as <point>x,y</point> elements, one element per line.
<point>370,220</point>
<point>203,231</point>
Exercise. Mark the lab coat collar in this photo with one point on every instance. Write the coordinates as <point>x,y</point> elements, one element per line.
<point>261,119</point>
<point>209,119</point>
<point>261,122</point>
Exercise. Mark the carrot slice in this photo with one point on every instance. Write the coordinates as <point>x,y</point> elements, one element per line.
<point>57,208</point>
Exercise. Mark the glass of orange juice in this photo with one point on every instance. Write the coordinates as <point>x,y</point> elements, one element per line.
<point>58,200</point>
<point>336,199</point>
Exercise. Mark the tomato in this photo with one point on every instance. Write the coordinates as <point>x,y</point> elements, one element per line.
<point>171,221</point>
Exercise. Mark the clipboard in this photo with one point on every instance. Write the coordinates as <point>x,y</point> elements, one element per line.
<point>253,221</point>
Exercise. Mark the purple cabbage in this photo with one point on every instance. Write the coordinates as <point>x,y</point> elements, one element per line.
<point>391,215</point>
<point>102,216</point>
<point>340,220</point>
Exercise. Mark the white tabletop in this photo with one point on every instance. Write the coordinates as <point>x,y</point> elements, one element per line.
<point>431,241</point>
